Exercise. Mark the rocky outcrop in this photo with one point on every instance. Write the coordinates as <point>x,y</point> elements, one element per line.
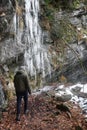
<point>74,68</point>
<point>64,35</point>
<point>7,7</point>
<point>68,44</point>
<point>11,51</point>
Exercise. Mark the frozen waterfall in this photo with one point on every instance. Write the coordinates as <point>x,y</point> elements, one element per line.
<point>28,34</point>
<point>36,55</point>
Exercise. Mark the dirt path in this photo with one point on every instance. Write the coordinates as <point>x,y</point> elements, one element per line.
<point>43,115</point>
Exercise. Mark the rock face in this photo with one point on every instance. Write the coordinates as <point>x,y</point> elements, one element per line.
<point>9,52</point>
<point>75,68</point>
<point>8,2</point>
<point>68,32</point>
<point>7,7</point>
<point>64,35</point>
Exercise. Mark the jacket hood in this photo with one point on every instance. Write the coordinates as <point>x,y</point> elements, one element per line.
<point>20,72</point>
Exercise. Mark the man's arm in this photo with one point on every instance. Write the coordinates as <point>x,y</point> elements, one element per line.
<point>27,84</point>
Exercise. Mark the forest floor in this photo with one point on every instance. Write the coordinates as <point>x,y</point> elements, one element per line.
<point>45,113</point>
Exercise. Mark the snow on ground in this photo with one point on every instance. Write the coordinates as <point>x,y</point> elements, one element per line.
<point>76,91</point>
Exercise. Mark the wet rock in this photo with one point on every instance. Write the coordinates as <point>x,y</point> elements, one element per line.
<point>76,90</point>
<point>2,98</point>
<point>4,3</point>
<point>13,3</point>
<point>79,13</point>
<point>3,23</point>
<point>82,94</point>
<point>46,37</point>
<point>63,97</point>
<point>5,67</point>
<point>42,2</point>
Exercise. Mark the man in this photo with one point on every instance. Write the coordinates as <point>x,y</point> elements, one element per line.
<point>22,88</point>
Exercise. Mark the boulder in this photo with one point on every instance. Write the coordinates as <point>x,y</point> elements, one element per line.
<point>63,97</point>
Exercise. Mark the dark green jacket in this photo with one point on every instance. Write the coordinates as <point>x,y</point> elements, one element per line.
<point>21,82</point>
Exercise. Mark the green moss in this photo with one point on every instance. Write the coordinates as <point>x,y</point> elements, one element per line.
<point>68,31</point>
<point>76,4</point>
<point>49,14</point>
<point>68,5</point>
<point>48,1</point>
<point>63,29</point>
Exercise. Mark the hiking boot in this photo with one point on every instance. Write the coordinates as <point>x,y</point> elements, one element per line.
<point>18,118</point>
<point>26,112</point>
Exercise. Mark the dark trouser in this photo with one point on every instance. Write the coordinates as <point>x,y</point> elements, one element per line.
<point>23,95</point>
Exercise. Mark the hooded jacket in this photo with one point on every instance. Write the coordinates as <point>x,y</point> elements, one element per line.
<point>21,82</point>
